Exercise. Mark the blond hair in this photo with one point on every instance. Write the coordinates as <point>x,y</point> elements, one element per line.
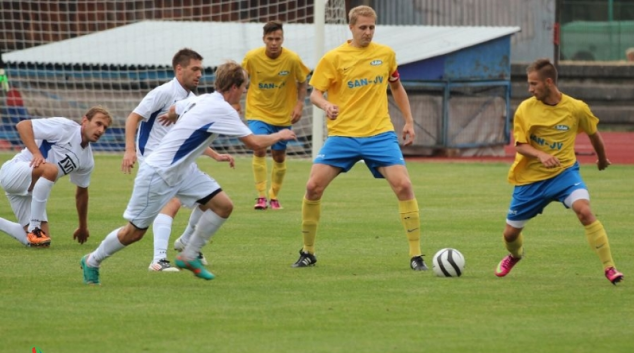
<point>365,11</point>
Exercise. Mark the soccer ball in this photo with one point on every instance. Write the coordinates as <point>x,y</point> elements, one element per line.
<point>448,262</point>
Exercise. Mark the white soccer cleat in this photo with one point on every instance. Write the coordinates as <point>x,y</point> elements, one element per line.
<point>162,266</point>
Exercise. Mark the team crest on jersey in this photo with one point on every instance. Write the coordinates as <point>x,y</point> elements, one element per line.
<point>562,127</point>
<point>284,73</point>
<point>376,62</point>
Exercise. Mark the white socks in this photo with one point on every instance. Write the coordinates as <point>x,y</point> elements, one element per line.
<point>107,248</point>
<point>191,224</point>
<point>162,227</point>
<point>15,230</point>
<point>39,197</point>
<point>207,226</point>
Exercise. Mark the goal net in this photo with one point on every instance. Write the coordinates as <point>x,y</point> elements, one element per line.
<point>62,57</point>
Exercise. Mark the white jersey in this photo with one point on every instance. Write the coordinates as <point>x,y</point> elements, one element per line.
<point>155,103</point>
<point>59,141</point>
<point>203,119</point>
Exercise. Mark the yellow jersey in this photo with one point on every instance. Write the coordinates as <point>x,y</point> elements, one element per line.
<point>552,129</point>
<point>272,92</point>
<point>356,80</point>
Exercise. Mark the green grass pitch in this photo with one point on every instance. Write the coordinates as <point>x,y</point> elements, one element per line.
<point>360,297</point>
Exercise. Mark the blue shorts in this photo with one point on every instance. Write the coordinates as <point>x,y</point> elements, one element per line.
<point>261,128</point>
<point>377,151</point>
<point>531,199</point>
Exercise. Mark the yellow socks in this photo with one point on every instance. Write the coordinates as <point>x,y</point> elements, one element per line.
<point>311,212</point>
<point>277,177</point>
<point>259,174</point>
<point>598,240</point>
<point>515,247</point>
<point>410,218</point>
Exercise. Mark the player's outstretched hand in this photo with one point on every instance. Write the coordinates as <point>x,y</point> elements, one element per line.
<point>287,134</point>
<point>81,235</point>
<point>226,158</point>
<point>167,119</point>
<point>129,158</point>
<point>602,164</point>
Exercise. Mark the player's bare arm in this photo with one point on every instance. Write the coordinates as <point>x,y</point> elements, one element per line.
<point>299,106</point>
<point>549,161</point>
<point>599,148</point>
<point>129,156</point>
<point>25,130</point>
<point>220,157</point>
<point>318,99</point>
<point>256,142</point>
<point>402,101</point>
<point>81,234</point>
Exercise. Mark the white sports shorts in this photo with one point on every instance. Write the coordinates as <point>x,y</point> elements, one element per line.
<point>15,177</point>
<point>151,193</point>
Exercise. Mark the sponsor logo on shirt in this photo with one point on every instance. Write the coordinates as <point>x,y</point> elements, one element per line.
<point>542,142</point>
<point>365,81</point>
<point>562,127</point>
<point>376,62</point>
<point>67,165</point>
<point>284,73</point>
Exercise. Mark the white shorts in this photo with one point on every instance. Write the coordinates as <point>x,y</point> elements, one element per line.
<point>151,193</point>
<point>15,177</point>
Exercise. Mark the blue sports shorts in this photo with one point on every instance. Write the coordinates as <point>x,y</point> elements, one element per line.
<point>261,128</point>
<point>377,151</point>
<point>531,199</point>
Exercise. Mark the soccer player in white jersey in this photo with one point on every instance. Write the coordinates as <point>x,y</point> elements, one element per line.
<point>143,122</point>
<point>54,147</point>
<point>170,172</point>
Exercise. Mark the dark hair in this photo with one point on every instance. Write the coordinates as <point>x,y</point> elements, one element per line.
<point>96,110</point>
<point>544,68</point>
<point>184,56</point>
<point>229,74</point>
<point>272,26</point>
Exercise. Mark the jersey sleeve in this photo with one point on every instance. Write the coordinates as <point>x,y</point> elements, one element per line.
<point>51,129</point>
<point>519,129</point>
<point>324,75</point>
<point>230,126</point>
<point>587,121</point>
<point>152,102</point>
<point>81,177</point>
<point>301,70</point>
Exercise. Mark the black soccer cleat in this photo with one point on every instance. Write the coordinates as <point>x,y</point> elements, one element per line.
<point>305,259</point>
<point>417,263</point>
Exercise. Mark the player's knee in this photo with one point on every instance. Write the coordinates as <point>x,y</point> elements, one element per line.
<point>314,190</point>
<point>585,215</point>
<point>403,188</point>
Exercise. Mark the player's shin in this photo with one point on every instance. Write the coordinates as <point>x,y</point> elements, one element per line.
<point>207,226</point>
<point>277,177</point>
<point>311,212</point>
<point>410,218</point>
<point>598,240</point>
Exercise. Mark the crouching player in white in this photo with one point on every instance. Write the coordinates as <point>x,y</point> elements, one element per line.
<point>54,147</point>
<point>170,172</point>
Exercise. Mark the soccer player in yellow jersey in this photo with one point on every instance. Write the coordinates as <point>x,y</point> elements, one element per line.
<point>356,76</point>
<point>275,101</point>
<point>545,169</point>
